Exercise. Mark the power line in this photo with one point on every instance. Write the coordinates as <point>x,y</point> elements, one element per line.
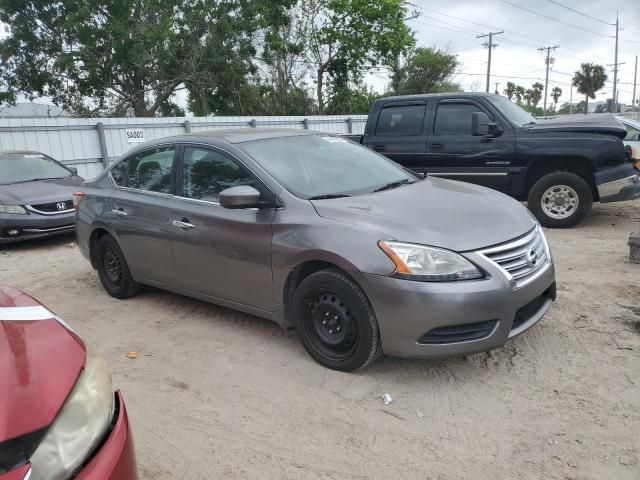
<point>555,2</point>
<point>553,19</point>
<point>546,78</point>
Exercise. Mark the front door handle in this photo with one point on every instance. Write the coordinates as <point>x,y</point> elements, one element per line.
<point>437,147</point>
<point>183,224</point>
<point>119,212</point>
<point>379,148</point>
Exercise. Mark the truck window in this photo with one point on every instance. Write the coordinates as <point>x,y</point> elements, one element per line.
<point>401,120</point>
<point>454,118</point>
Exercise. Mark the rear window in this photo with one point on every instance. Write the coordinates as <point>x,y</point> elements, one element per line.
<point>401,120</point>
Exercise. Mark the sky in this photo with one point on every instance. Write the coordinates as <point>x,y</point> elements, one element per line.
<point>585,36</point>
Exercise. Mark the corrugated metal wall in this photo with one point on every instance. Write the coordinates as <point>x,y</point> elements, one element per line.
<point>76,141</point>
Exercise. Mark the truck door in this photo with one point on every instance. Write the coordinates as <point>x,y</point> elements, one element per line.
<point>452,152</point>
<point>400,134</point>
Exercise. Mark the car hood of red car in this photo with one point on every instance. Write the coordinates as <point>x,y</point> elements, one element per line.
<point>40,361</point>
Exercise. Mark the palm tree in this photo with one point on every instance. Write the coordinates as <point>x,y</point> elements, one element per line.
<point>520,94</point>
<point>589,79</point>
<point>556,93</point>
<point>510,90</point>
<point>536,94</point>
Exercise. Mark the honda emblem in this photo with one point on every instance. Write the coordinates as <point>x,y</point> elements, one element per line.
<point>61,205</point>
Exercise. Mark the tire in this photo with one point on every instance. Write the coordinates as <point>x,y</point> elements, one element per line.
<point>560,199</point>
<point>113,269</point>
<point>335,321</point>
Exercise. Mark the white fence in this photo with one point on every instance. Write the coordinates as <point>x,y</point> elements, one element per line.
<point>89,144</point>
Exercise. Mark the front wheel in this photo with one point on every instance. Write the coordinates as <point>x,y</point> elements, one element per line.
<point>335,322</point>
<point>560,199</point>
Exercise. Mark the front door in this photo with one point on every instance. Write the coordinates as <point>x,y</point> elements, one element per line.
<point>399,133</point>
<point>220,252</point>
<point>139,212</point>
<point>452,151</point>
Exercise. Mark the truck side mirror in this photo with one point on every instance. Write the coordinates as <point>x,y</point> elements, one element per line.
<point>479,124</point>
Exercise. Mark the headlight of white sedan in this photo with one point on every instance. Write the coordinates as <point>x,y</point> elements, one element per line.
<point>432,264</point>
<point>80,425</point>
<point>15,209</point>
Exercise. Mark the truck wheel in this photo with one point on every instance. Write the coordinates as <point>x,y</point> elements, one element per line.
<point>335,321</point>
<point>560,199</point>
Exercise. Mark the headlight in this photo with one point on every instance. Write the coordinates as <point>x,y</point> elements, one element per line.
<point>17,209</point>
<point>80,425</point>
<point>428,263</point>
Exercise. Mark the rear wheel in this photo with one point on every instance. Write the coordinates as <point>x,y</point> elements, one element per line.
<point>560,199</point>
<point>113,269</point>
<point>335,322</point>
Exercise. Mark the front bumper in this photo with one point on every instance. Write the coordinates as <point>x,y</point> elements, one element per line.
<point>32,226</point>
<point>407,310</point>
<point>618,184</point>
<point>115,460</point>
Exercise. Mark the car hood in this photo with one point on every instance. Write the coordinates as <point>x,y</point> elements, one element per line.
<point>40,360</point>
<point>604,124</point>
<point>442,213</point>
<point>39,192</point>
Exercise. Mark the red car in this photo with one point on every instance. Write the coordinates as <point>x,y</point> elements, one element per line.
<point>59,415</point>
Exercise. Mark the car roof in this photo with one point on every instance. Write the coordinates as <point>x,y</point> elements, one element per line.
<point>237,135</point>
<point>422,96</point>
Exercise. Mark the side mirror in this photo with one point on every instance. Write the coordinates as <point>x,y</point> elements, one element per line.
<point>243,196</point>
<point>74,170</point>
<point>479,124</point>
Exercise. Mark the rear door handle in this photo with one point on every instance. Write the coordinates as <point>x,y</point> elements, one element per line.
<point>119,212</point>
<point>437,147</point>
<point>183,224</point>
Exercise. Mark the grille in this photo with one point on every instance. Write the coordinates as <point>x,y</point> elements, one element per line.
<point>458,333</point>
<point>530,309</point>
<point>52,207</point>
<point>523,259</point>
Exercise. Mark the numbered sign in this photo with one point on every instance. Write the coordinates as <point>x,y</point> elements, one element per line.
<point>134,135</point>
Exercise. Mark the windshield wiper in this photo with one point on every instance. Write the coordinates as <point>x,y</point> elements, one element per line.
<point>329,196</point>
<point>530,123</point>
<point>391,185</point>
<point>34,180</point>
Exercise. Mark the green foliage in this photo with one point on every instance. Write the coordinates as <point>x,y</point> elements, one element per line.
<point>510,90</point>
<point>589,79</point>
<point>556,93</point>
<point>581,107</point>
<point>346,100</point>
<point>426,70</point>
<point>100,56</point>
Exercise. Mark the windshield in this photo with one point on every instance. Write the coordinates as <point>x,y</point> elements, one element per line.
<point>513,112</point>
<point>25,167</point>
<point>312,166</point>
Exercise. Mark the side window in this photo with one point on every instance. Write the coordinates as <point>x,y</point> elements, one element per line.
<point>205,173</point>
<point>633,134</point>
<point>401,120</point>
<point>454,118</point>
<point>119,173</point>
<point>151,170</point>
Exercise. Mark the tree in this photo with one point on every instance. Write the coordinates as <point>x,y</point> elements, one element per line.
<point>100,56</point>
<point>426,70</point>
<point>588,80</point>
<point>346,37</point>
<point>556,93</point>
<point>520,94</point>
<point>510,90</point>
<point>535,94</point>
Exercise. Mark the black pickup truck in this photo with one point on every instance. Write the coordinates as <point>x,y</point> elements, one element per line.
<point>559,166</point>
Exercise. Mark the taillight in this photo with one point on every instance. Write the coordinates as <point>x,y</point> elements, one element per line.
<point>77,196</point>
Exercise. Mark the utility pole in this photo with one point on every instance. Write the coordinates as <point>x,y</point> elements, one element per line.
<point>615,70</point>
<point>497,83</point>
<point>635,78</point>
<point>571,100</point>
<point>548,61</point>
<point>490,45</point>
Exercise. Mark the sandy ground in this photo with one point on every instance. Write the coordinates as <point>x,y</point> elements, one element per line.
<point>220,394</point>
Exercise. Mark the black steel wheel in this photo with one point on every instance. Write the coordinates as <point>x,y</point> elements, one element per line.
<point>113,269</point>
<point>335,321</point>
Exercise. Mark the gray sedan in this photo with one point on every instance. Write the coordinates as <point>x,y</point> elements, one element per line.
<point>35,196</point>
<point>322,236</point>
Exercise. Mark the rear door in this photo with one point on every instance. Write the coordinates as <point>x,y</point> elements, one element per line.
<point>139,210</point>
<point>453,152</point>
<point>400,134</point>
<point>220,252</point>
